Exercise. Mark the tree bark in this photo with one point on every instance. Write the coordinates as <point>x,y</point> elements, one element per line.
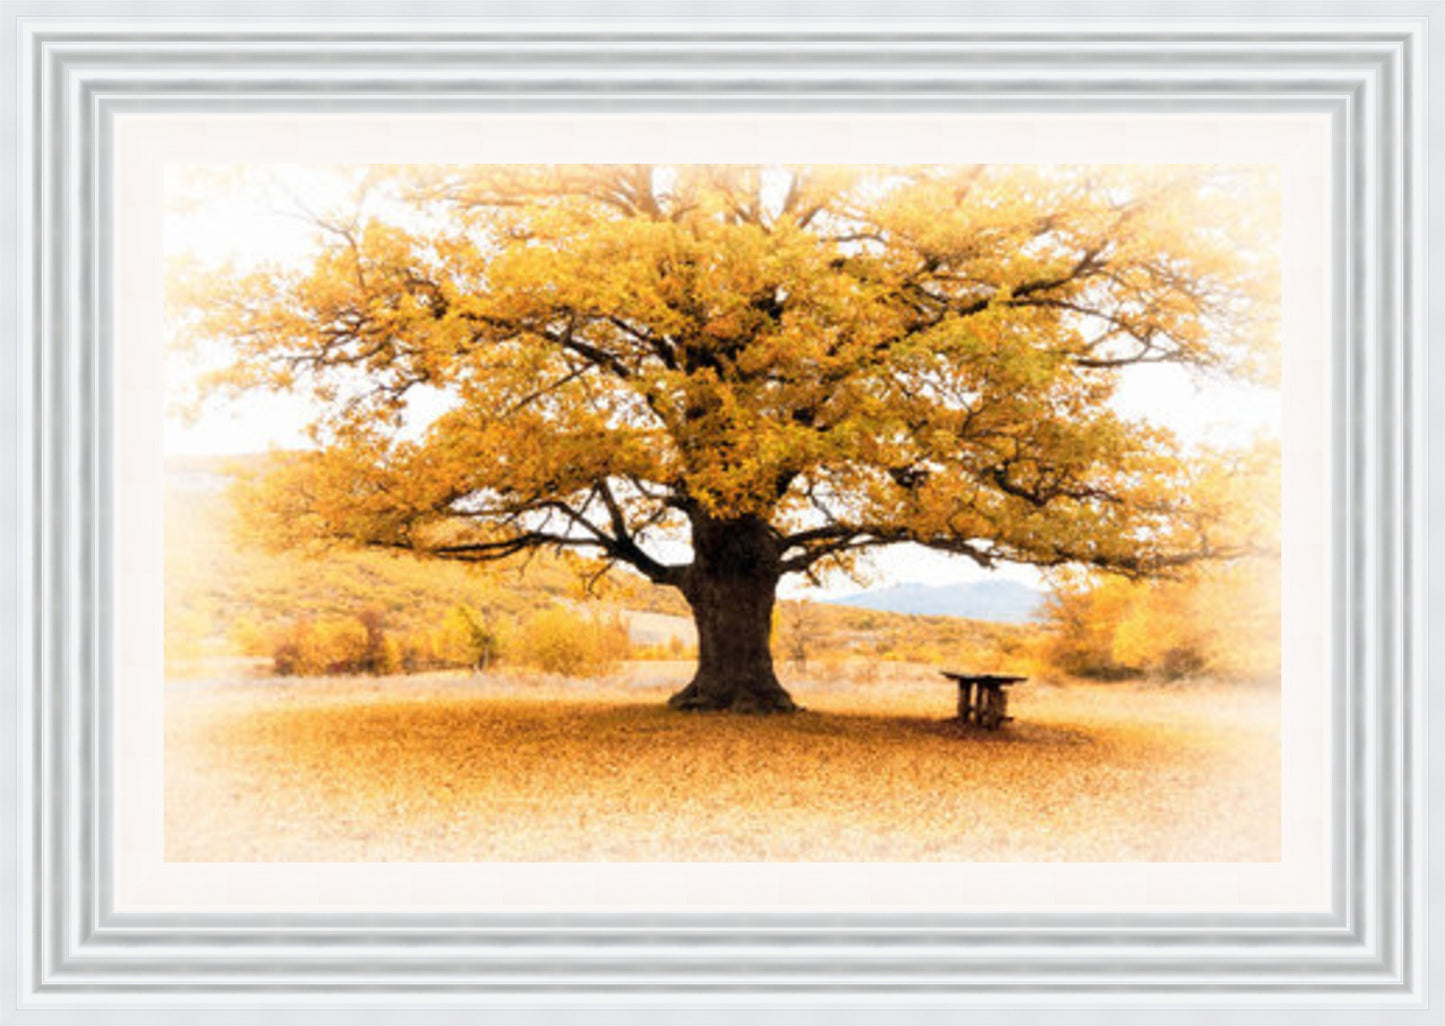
<point>732,586</point>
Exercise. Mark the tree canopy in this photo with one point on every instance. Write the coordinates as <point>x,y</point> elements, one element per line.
<point>784,367</point>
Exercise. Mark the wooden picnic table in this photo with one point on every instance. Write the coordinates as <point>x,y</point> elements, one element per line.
<point>981,697</point>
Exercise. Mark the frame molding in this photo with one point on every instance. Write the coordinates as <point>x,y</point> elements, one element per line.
<point>1373,68</point>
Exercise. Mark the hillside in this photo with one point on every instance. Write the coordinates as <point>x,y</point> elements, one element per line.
<point>226,597</point>
<point>995,601</point>
<point>219,589</point>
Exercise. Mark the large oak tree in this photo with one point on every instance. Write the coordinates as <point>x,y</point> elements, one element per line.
<point>782,367</point>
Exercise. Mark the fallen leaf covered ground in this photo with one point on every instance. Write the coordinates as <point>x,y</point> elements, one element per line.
<point>512,769</point>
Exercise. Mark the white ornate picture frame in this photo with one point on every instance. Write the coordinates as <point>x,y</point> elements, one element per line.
<point>1369,72</point>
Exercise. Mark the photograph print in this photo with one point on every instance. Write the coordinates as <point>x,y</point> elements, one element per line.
<point>722,513</point>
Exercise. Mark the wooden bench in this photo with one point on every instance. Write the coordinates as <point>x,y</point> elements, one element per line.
<point>982,698</point>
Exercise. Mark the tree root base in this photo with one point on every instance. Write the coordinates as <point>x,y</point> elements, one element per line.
<point>762,701</point>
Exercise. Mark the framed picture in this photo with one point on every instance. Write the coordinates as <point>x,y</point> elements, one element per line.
<point>714,299</point>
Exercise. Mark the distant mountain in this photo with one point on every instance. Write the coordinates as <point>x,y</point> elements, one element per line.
<point>999,601</point>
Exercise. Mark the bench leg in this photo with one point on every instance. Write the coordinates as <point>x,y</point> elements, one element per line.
<point>993,708</point>
<point>965,701</point>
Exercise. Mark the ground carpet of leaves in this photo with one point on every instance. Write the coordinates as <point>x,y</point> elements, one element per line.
<point>510,769</point>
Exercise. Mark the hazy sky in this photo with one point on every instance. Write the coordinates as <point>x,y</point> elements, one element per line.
<point>230,220</point>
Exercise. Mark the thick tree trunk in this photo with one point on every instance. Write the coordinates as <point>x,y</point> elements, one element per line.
<point>731,587</point>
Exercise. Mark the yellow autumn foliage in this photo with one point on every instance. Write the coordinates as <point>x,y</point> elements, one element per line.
<point>1222,622</point>
<point>562,642</point>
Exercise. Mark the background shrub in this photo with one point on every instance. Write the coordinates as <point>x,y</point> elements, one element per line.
<point>561,641</point>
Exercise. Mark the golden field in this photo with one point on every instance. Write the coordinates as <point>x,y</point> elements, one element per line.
<point>524,768</point>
